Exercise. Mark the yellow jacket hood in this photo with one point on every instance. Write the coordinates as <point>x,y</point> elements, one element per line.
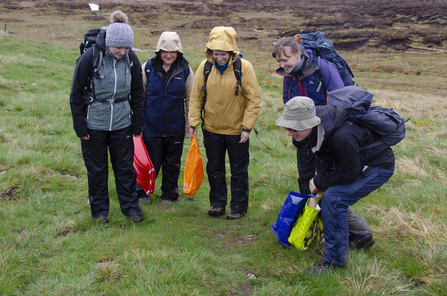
<point>224,39</point>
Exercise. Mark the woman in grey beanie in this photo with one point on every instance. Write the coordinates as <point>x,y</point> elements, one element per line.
<point>106,117</point>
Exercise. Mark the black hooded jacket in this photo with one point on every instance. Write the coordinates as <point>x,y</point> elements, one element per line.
<point>81,76</point>
<point>341,160</point>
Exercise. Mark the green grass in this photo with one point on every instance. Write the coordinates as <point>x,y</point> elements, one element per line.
<point>49,245</point>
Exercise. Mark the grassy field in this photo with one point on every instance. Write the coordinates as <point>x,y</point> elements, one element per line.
<point>49,245</point>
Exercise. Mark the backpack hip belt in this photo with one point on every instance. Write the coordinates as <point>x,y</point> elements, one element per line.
<point>110,101</point>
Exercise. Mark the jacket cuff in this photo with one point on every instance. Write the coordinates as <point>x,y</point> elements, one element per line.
<point>246,130</point>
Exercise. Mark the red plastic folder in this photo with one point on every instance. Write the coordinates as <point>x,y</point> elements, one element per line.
<point>143,166</point>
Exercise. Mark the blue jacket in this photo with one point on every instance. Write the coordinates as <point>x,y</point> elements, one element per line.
<point>313,80</point>
<point>164,110</point>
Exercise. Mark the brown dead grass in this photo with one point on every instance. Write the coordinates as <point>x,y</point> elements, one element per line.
<point>397,222</point>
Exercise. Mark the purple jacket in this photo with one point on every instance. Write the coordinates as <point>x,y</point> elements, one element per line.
<point>313,80</point>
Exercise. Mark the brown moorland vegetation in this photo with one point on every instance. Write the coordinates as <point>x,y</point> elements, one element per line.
<point>379,39</point>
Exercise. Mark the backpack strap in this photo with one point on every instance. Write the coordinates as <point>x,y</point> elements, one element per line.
<point>130,60</point>
<point>96,63</point>
<point>206,73</point>
<point>237,73</point>
<point>319,79</point>
<point>318,75</point>
<point>186,72</point>
<point>148,68</point>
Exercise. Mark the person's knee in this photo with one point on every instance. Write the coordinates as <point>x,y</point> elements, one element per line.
<point>331,203</point>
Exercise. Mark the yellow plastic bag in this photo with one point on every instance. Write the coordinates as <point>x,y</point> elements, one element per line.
<point>193,176</point>
<point>309,225</point>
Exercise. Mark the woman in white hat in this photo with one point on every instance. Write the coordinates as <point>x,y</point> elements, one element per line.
<point>167,80</point>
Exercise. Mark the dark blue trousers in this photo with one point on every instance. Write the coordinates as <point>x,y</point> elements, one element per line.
<point>334,211</point>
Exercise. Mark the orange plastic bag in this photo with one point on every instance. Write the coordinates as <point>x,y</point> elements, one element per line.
<point>193,169</point>
<point>143,166</point>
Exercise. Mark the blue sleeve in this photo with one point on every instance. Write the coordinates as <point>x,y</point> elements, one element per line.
<point>331,76</point>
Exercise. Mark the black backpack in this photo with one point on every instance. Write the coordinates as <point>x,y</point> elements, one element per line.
<point>321,46</point>
<point>89,40</point>
<point>356,102</point>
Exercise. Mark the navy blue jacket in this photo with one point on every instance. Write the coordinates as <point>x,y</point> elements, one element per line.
<point>341,160</point>
<point>164,110</point>
<point>313,80</point>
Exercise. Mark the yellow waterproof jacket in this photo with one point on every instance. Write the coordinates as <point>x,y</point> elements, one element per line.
<point>225,113</point>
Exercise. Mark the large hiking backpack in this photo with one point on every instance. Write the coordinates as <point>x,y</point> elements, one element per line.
<point>384,122</point>
<point>89,40</point>
<point>323,47</point>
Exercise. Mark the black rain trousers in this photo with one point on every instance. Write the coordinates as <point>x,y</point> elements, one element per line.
<point>166,153</point>
<point>216,146</point>
<point>120,145</point>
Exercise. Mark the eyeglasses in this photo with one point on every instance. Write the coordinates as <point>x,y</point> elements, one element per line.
<point>292,131</point>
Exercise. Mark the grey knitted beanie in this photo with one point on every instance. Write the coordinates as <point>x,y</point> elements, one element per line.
<point>119,35</point>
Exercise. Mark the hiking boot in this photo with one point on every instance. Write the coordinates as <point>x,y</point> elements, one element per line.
<point>322,267</point>
<point>136,218</point>
<point>166,202</point>
<point>216,212</point>
<point>234,215</point>
<point>361,244</point>
<point>102,219</point>
<point>145,200</point>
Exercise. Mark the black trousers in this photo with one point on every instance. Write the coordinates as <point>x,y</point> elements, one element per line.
<point>166,153</point>
<point>216,146</point>
<point>121,148</point>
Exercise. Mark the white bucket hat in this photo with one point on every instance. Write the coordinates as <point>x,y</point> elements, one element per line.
<point>299,114</point>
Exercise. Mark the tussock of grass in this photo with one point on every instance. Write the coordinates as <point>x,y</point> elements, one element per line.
<point>397,222</point>
<point>375,278</point>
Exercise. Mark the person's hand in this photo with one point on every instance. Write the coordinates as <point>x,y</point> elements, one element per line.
<point>193,132</point>
<point>312,187</point>
<point>85,138</point>
<point>244,137</point>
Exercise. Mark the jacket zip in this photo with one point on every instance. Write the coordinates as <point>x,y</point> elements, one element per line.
<point>113,96</point>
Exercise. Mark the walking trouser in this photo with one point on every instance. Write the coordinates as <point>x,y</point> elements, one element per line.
<point>120,145</point>
<point>216,146</point>
<point>334,211</point>
<point>166,153</point>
